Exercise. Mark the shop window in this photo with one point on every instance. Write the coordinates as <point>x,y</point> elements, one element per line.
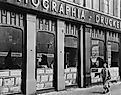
<point>10,48</point>
<point>113,49</point>
<point>71,59</point>
<point>97,48</point>
<point>45,50</point>
<point>71,54</point>
<point>114,54</point>
<point>115,59</point>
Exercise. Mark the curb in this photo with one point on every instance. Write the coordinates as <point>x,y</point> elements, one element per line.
<point>76,89</point>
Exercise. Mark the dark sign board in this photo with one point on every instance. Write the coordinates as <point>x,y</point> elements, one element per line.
<point>66,10</point>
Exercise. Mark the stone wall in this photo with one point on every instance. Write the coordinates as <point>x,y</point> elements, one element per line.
<point>70,76</point>
<point>10,81</point>
<point>44,78</point>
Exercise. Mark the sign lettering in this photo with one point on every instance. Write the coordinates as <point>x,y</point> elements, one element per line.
<point>103,20</point>
<point>35,4</point>
<point>45,4</point>
<point>60,8</point>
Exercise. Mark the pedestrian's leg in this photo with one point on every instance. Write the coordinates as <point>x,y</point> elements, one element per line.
<point>107,86</point>
<point>107,89</point>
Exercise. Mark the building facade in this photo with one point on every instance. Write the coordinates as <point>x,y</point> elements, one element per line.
<point>56,44</point>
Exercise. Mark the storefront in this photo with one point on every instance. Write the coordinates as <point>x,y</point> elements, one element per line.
<point>52,45</point>
<point>104,47</point>
<point>11,51</point>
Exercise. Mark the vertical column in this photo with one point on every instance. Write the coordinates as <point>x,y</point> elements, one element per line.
<point>101,5</point>
<point>120,55</point>
<point>87,56</point>
<point>105,46</point>
<point>88,4</point>
<point>31,55</point>
<point>118,10</point>
<point>81,58</point>
<point>115,7</point>
<point>60,55</point>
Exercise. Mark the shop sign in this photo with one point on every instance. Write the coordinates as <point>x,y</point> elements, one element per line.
<point>14,54</point>
<point>55,7</point>
<point>103,20</point>
<point>67,10</point>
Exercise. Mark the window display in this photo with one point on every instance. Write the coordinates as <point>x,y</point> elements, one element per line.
<point>97,54</point>
<point>11,48</point>
<point>45,49</point>
<point>100,48</point>
<point>97,48</point>
<point>71,54</point>
<point>113,49</point>
<point>45,52</point>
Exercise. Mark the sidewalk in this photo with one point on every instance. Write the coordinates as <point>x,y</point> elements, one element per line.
<point>94,90</point>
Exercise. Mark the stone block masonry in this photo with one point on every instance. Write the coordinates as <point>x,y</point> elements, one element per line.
<point>44,78</point>
<point>10,81</point>
<point>70,76</point>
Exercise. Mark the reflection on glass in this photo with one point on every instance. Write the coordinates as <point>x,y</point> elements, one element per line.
<point>70,57</point>
<point>45,53</point>
<point>71,54</point>
<point>97,54</point>
<point>45,49</point>
<point>10,48</point>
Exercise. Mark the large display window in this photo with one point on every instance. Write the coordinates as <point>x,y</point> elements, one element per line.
<point>10,48</point>
<point>11,51</point>
<point>113,49</point>
<point>45,52</point>
<point>104,47</point>
<point>113,54</point>
<point>71,54</point>
<point>97,54</point>
<point>45,49</point>
<point>97,48</point>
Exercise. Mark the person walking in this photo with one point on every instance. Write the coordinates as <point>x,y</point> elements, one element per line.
<point>105,73</point>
